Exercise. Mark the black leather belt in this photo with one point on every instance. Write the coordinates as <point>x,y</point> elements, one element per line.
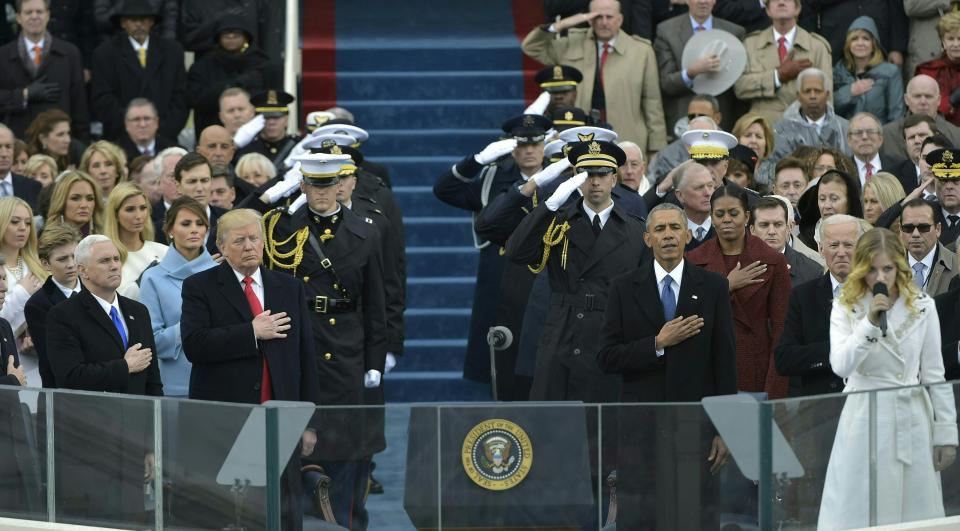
<point>589,302</point>
<point>328,305</point>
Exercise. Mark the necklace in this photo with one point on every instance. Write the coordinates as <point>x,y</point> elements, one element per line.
<point>17,271</point>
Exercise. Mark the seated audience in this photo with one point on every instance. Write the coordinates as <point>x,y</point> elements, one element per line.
<point>106,163</point>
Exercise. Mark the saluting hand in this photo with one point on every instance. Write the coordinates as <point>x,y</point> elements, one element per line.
<point>677,330</point>
<point>17,371</point>
<point>137,358</point>
<point>573,20</point>
<point>271,326</point>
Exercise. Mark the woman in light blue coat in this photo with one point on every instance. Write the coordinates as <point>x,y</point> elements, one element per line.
<point>864,81</point>
<point>186,229</point>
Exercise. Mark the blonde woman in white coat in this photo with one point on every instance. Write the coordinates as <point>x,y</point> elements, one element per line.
<point>916,426</point>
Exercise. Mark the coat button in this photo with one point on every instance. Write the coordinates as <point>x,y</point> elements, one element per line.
<point>333,321</point>
<point>576,352</point>
<point>327,356</point>
<point>580,315</point>
<point>256,386</point>
<point>899,375</point>
<point>306,279</point>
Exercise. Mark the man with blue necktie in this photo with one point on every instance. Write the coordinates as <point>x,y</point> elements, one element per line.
<point>101,341</point>
<point>681,350</point>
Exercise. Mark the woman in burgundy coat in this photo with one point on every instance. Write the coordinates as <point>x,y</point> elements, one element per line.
<point>759,290</point>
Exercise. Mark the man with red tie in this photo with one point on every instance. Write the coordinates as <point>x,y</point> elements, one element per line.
<point>247,333</point>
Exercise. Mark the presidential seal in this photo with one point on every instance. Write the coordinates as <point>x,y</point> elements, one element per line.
<point>497,454</point>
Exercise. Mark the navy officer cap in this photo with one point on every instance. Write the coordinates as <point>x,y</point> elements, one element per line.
<point>527,128</point>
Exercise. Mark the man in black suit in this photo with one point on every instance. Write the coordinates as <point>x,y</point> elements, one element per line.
<point>681,350</point>
<point>865,136</point>
<point>40,72</point>
<point>248,334</point>
<point>194,175</point>
<point>56,248</point>
<point>141,124</point>
<point>134,64</point>
<point>101,341</point>
<point>769,221</point>
<point>163,165</point>
<point>916,129</point>
<point>694,186</point>
<point>11,183</point>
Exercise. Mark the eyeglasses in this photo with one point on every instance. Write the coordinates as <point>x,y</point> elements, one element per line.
<point>922,227</point>
<point>864,132</point>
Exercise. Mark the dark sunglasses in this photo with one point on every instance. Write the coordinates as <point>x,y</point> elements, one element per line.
<point>922,227</point>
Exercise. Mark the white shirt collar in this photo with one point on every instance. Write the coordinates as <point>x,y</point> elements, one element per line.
<point>67,292</point>
<point>324,215</point>
<point>604,214</point>
<point>834,283</point>
<point>149,147</point>
<point>107,305</point>
<point>348,205</point>
<point>8,178</point>
<point>136,45</point>
<point>613,46</point>
<point>30,44</point>
<point>818,122</point>
<point>862,168</point>
<point>707,24</point>
<point>927,260</point>
<point>707,223</point>
<point>660,273</point>
<point>791,36</point>
<point>256,276</point>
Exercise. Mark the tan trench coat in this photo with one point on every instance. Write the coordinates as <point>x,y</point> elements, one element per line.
<point>631,81</point>
<point>757,86</point>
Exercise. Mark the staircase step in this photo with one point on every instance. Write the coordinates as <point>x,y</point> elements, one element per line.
<point>440,292</point>
<point>423,85</point>
<point>434,387</point>
<point>420,201</point>
<point>423,114</point>
<point>442,261</point>
<point>438,55</point>
<point>438,230</point>
<point>438,355</point>
<point>428,143</point>
<point>416,170</point>
<point>429,323</point>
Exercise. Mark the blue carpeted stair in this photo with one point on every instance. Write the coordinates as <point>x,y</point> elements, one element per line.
<point>432,82</point>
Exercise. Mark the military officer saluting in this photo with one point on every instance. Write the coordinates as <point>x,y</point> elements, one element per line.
<point>336,253</point>
<point>273,141</point>
<point>559,83</point>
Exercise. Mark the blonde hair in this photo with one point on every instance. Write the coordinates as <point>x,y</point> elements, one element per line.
<point>35,162</point>
<point>29,252</point>
<point>948,23</point>
<point>111,218</point>
<point>848,60</point>
<point>235,219</point>
<point>61,190</point>
<point>886,188</point>
<point>744,123</point>
<point>869,246</point>
<point>112,152</point>
<point>258,161</point>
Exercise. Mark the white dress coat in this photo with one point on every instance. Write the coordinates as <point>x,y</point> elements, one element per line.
<point>910,421</point>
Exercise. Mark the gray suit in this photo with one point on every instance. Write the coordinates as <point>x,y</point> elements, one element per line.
<point>801,268</point>
<point>944,270</point>
<point>672,36</point>
<point>894,145</point>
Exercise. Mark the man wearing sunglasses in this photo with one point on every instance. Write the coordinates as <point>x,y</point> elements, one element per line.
<point>934,266</point>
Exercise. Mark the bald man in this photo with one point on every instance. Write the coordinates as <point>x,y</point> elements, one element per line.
<point>216,145</point>
<point>922,97</point>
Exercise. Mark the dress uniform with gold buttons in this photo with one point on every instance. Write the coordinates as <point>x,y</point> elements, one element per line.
<point>337,255</point>
<point>271,104</point>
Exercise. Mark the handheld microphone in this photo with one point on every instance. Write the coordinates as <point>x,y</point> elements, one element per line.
<point>881,289</point>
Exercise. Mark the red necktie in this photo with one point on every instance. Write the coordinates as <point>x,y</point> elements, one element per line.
<point>603,59</point>
<point>869,172</point>
<point>782,48</point>
<point>266,390</point>
<point>37,55</point>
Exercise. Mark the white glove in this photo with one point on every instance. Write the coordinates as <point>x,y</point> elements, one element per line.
<point>296,152</point>
<point>391,362</point>
<point>290,182</point>
<point>299,202</point>
<point>539,105</point>
<point>371,379</point>
<point>551,172</point>
<point>248,131</point>
<point>564,190</point>
<point>495,150</point>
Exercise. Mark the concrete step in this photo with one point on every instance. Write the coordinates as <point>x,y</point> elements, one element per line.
<point>433,386</point>
<point>433,114</point>
<point>439,355</point>
<point>417,201</point>
<point>430,323</point>
<point>424,85</point>
<point>419,54</point>
<point>415,170</point>
<point>442,261</point>
<point>438,231</point>
<point>428,142</point>
<point>440,292</point>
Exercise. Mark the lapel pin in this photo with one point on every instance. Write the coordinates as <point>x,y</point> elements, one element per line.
<point>694,297</point>
<point>130,317</point>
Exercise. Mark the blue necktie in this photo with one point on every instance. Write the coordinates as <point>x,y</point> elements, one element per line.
<point>115,316</point>
<point>667,298</point>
